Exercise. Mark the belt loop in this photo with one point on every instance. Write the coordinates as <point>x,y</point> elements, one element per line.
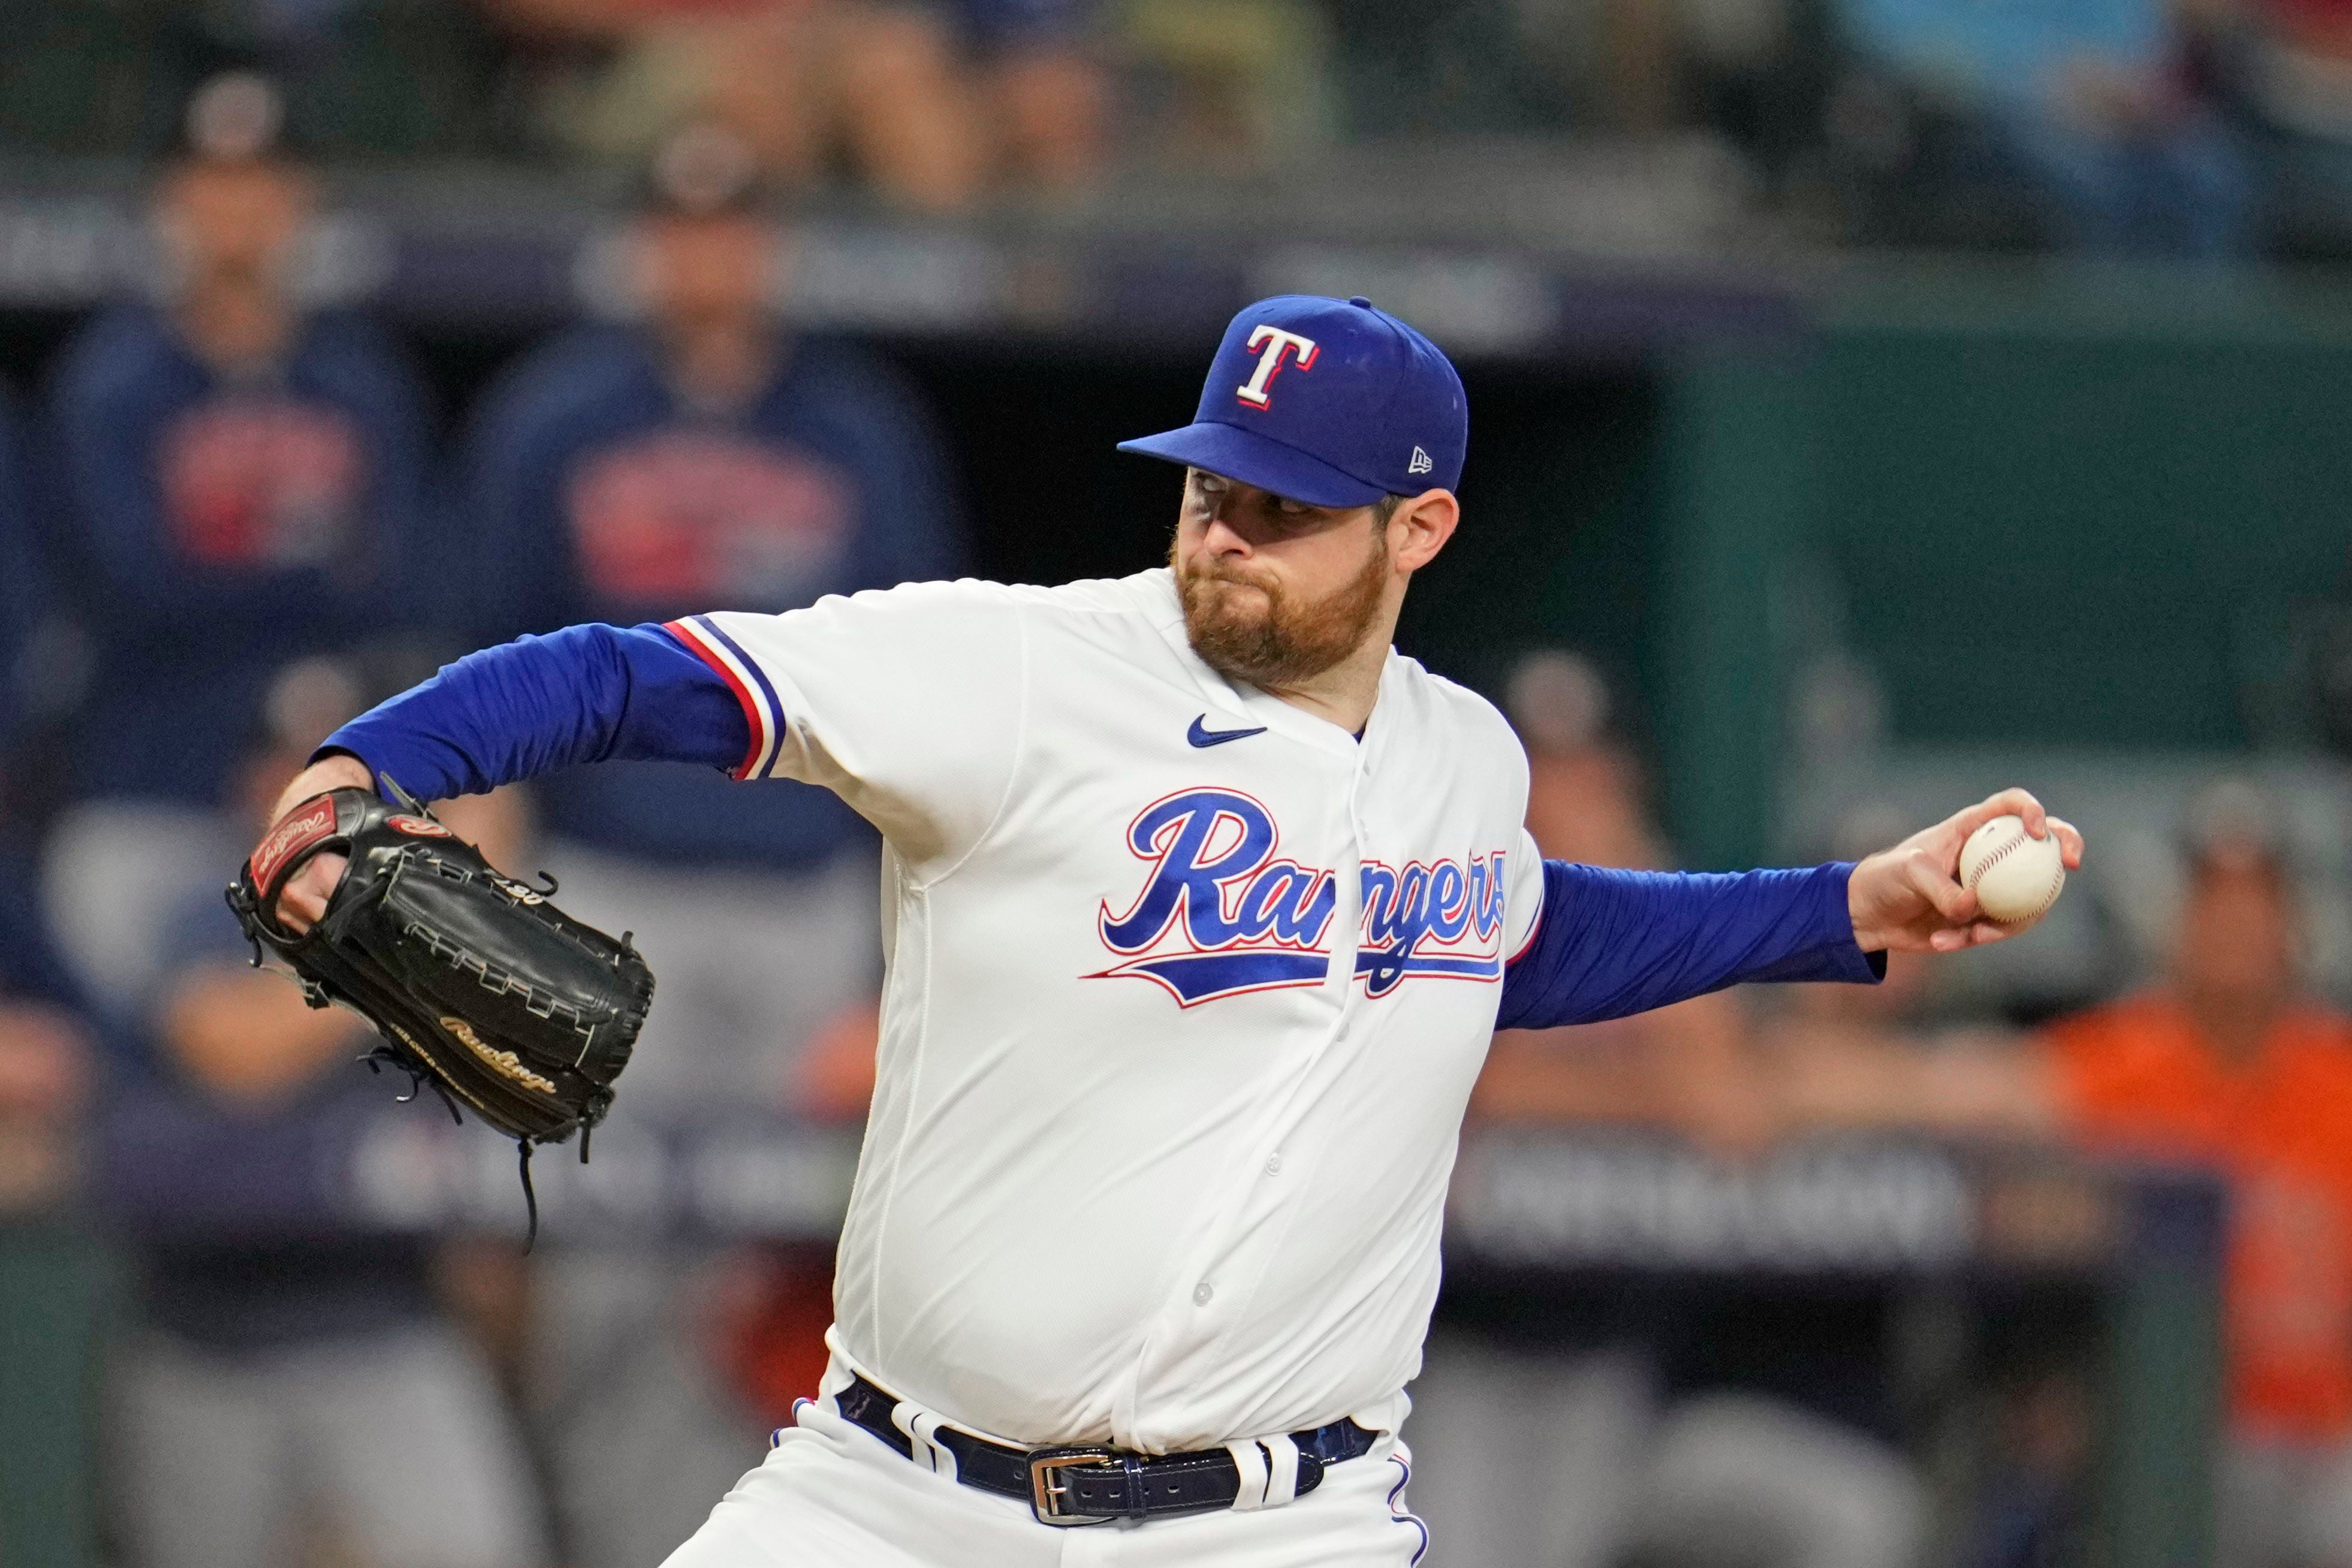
<point>902,1416</point>
<point>943,1459</point>
<point>1134,1488</point>
<point>1250,1460</point>
<point>922,1434</point>
<point>1282,1481</point>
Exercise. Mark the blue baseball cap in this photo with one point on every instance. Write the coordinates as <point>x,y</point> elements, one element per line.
<point>1329,402</point>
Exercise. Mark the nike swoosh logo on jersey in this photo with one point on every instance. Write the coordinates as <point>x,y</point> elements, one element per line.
<point>1200,734</point>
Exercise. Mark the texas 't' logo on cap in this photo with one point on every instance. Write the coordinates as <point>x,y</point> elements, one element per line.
<point>1258,390</point>
<point>1374,409</point>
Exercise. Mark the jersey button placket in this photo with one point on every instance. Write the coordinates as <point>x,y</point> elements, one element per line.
<point>1203,1294</point>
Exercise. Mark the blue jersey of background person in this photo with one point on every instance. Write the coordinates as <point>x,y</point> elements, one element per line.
<point>597,494</point>
<point>214,526</point>
<point>1017,23</point>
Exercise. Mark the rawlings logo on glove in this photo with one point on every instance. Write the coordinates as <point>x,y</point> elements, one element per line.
<point>479,986</point>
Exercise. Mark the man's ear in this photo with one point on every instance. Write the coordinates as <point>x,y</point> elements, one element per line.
<point>1420,527</point>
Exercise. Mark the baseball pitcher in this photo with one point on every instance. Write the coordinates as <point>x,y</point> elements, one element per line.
<point>1199,904</point>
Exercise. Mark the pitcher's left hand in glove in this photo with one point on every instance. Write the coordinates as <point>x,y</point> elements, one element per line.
<point>479,986</point>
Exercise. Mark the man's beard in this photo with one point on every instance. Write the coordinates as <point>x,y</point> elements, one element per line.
<point>1275,641</point>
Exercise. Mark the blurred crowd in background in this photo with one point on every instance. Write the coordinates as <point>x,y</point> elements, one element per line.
<point>2206,128</point>
<point>230,519</point>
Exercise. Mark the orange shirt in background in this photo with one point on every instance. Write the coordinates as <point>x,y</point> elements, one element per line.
<point>2137,1077</point>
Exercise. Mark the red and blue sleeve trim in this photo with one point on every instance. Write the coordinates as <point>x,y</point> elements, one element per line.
<point>761,711</point>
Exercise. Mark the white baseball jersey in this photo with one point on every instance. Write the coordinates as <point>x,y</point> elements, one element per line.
<point>1187,989</point>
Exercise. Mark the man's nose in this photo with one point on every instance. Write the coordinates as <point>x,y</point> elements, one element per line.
<point>1220,535</point>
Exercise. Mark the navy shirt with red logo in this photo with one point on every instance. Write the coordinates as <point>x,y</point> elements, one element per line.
<point>214,530</point>
<point>598,494</point>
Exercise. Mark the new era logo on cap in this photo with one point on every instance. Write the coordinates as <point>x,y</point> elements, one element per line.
<point>1374,410</point>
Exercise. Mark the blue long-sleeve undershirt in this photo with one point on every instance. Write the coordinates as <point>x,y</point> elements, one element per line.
<point>1609,943</point>
<point>585,694</point>
<point>1617,942</point>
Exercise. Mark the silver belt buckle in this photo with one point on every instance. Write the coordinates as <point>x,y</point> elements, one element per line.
<point>1048,1491</point>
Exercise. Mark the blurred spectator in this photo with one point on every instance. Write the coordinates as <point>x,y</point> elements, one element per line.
<point>777,1301</point>
<point>1854,1058</point>
<point>1685,1068</point>
<point>2230,1062</point>
<point>243,479</point>
<point>296,1390</point>
<point>834,1081</point>
<point>709,457</point>
<point>1637,64</point>
<point>1586,789</point>
<point>2292,70</point>
<point>364,77</point>
<point>46,1056</point>
<point>1860,1059</point>
<point>2097,107</point>
<point>1657,1443</point>
<point>928,102</point>
<point>1227,85</point>
<point>1842,1057</point>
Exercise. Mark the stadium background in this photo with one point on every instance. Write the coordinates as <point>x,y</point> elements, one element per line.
<point>1875,401</point>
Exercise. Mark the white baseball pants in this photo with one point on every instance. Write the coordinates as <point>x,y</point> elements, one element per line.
<point>832,1495</point>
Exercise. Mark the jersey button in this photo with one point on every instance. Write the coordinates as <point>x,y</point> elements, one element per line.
<point>1274,1164</point>
<point>1202,1292</point>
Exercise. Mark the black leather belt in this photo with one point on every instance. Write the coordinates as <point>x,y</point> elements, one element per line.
<point>1097,1485</point>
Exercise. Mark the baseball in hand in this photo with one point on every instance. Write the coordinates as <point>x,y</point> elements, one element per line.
<point>2015,876</point>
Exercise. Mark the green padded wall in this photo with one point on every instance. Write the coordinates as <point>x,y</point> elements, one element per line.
<point>54,1290</point>
<point>2079,522</point>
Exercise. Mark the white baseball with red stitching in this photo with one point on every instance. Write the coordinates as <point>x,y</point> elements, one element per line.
<point>2015,876</point>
